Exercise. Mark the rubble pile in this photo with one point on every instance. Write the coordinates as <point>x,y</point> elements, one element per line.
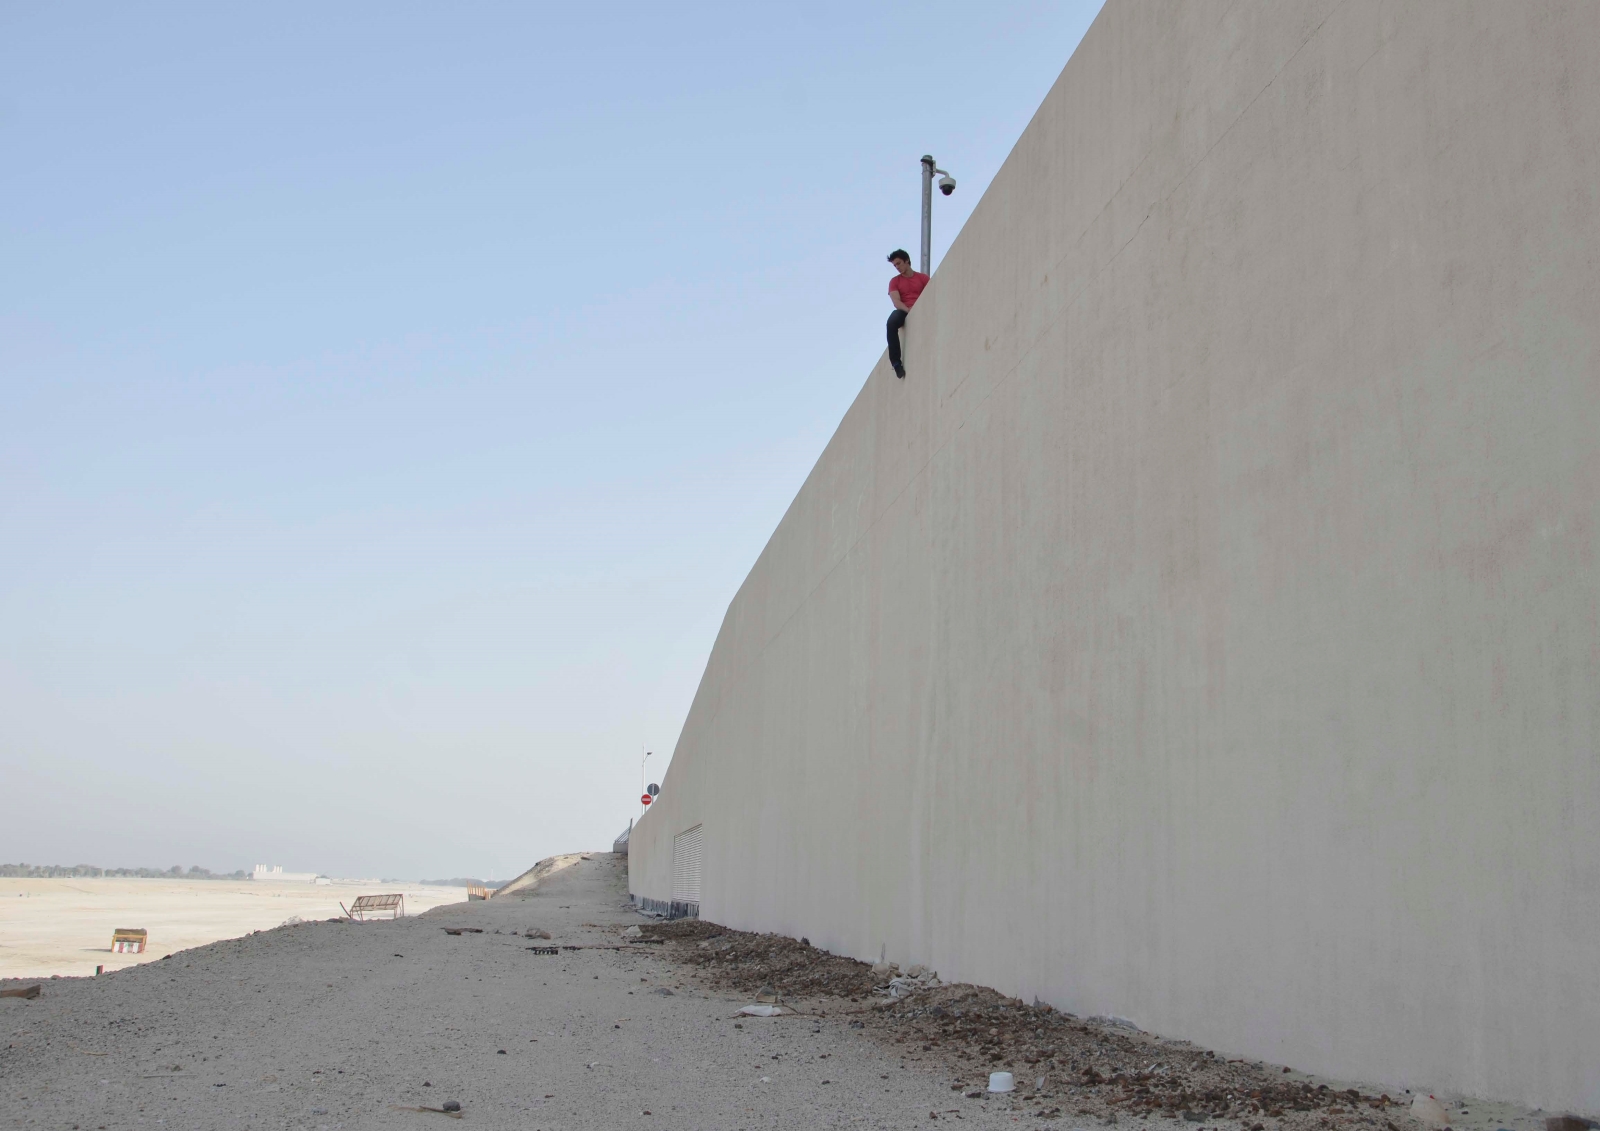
<point>1064,1065</point>
<point>748,962</point>
<point>1104,1069</point>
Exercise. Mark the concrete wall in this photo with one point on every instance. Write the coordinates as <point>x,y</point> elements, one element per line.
<point>1208,630</point>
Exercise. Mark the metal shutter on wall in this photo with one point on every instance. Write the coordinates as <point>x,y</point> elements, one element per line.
<point>686,866</point>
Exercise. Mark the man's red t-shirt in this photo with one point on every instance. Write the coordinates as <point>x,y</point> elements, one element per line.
<point>910,287</point>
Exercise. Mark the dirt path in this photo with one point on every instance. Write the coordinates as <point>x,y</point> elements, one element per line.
<point>338,1025</point>
<point>326,1025</point>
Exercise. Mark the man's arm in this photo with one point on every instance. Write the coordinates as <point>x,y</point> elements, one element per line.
<point>894,297</point>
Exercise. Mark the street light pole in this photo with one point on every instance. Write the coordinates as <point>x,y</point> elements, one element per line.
<point>947,185</point>
<point>642,761</point>
<point>927,212</point>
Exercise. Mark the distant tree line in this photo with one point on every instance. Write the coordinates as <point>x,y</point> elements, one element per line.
<point>66,872</point>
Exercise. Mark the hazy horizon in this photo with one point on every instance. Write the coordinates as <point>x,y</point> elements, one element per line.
<point>8,870</point>
<point>396,397</point>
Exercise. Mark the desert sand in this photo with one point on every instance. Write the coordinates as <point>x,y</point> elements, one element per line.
<point>64,926</point>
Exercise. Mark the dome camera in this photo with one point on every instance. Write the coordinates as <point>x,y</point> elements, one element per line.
<point>947,184</point>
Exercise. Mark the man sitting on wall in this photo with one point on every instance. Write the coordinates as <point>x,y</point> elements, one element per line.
<point>904,290</point>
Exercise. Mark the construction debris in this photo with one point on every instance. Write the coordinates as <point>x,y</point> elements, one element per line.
<point>908,984</point>
<point>1106,1068</point>
<point>1430,1111</point>
<point>32,991</point>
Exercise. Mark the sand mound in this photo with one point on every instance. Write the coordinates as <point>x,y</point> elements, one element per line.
<point>540,872</point>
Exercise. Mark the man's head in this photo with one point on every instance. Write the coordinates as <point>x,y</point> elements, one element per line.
<point>901,261</point>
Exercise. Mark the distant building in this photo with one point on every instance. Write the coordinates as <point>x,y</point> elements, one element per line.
<point>276,872</point>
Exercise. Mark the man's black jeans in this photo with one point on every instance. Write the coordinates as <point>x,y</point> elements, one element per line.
<point>897,319</point>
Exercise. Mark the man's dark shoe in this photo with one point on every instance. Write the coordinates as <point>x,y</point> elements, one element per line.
<point>900,372</point>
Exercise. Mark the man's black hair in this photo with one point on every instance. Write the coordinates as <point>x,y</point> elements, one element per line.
<point>899,253</point>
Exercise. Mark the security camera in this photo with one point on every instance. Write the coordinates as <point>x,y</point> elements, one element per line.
<point>947,184</point>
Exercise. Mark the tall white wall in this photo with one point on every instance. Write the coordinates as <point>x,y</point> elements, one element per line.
<point>1208,630</point>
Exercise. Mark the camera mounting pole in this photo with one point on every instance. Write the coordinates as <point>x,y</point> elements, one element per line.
<point>947,185</point>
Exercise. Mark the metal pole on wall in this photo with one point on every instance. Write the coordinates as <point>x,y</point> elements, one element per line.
<point>927,213</point>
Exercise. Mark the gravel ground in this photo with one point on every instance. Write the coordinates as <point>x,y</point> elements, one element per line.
<point>340,1025</point>
<point>334,1025</point>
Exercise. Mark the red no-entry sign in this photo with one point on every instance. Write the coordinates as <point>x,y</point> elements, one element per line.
<point>646,798</point>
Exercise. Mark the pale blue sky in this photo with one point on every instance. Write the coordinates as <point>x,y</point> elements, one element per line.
<point>394,396</point>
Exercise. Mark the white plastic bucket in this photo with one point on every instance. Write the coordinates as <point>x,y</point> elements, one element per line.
<point>1002,1082</point>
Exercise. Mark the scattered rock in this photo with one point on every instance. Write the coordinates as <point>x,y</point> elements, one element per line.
<point>1430,1111</point>
<point>1106,1066</point>
<point>632,932</point>
<point>451,1105</point>
<point>1121,1023</point>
